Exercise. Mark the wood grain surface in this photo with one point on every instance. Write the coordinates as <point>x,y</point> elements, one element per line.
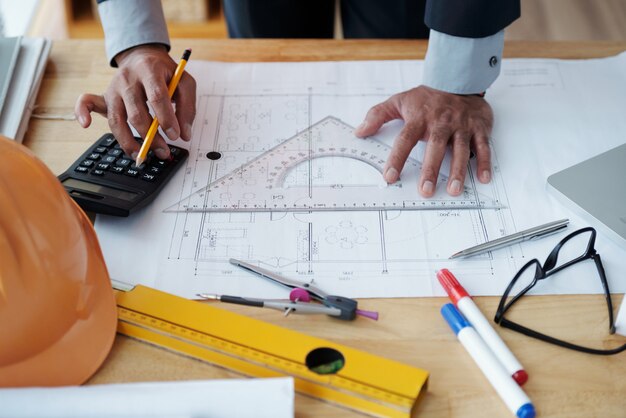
<point>562,383</point>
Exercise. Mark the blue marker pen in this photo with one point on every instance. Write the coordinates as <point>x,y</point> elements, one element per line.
<point>508,389</point>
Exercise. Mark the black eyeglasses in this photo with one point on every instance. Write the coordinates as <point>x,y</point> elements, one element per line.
<point>574,248</point>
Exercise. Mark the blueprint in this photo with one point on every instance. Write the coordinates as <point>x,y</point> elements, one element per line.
<point>544,119</point>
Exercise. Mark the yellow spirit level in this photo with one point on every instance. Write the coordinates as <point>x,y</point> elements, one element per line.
<point>320,368</point>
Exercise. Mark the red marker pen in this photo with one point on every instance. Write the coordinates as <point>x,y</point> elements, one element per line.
<point>468,308</point>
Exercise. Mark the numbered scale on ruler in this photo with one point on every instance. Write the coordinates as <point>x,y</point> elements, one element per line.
<point>322,169</point>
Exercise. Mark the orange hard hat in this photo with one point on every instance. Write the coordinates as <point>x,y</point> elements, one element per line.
<point>57,309</point>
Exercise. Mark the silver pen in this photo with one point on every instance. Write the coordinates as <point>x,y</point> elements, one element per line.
<point>532,233</point>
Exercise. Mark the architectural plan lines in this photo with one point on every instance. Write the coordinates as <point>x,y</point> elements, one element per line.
<point>299,111</point>
<point>264,144</point>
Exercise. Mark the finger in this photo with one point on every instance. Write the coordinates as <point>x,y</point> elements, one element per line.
<point>119,126</point>
<point>139,116</point>
<point>377,116</point>
<point>136,109</point>
<point>185,97</point>
<point>86,104</point>
<point>160,147</point>
<point>458,166</point>
<point>483,157</point>
<point>159,99</point>
<point>402,146</point>
<point>435,151</point>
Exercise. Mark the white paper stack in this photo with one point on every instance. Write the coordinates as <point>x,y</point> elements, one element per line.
<point>220,398</point>
<point>22,64</point>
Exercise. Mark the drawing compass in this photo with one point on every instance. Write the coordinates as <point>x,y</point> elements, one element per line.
<point>347,307</point>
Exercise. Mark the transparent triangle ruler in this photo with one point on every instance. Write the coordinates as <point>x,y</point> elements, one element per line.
<point>324,168</point>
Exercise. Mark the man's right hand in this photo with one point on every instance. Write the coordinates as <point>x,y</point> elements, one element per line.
<point>142,79</point>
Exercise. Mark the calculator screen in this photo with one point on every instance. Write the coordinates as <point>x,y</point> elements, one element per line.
<point>102,190</point>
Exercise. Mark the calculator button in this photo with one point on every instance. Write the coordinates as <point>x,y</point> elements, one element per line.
<point>107,142</point>
<point>97,172</point>
<point>116,169</point>
<point>101,150</point>
<point>124,162</point>
<point>154,170</point>
<point>81,169</point>
<point>148,177</point>
<point>134,166</point>
<point>87,163</point>
<point>103,166</point>
<point>117,146</point>
<point>109,159</point>
<point>174,151</point>
<point>161,163</point>
<point>132,172</point>
<point>94,156</point>
<point>115,152</point>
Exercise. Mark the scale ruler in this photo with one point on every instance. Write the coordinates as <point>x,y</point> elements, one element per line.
<point>300,174</point>
<point>366,383</point>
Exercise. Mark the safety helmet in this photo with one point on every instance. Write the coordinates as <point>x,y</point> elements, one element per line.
<point>57,309</point>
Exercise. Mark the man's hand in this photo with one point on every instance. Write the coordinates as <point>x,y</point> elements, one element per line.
<point>442,119</point>
<point>143,76</point>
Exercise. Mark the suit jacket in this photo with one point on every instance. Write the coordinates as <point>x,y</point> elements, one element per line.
<point>471,18</point>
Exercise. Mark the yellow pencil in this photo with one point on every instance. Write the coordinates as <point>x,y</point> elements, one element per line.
<point>141,157</point>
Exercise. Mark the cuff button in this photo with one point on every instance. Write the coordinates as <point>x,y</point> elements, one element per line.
<point>493,61</point>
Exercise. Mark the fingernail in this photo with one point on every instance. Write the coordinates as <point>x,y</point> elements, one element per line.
<point>82,120</point>
<point>391,175</point>
<point>486,177</point>
<point>162,153</point>
<point>188,130</point>
<point>428,187</point>
<point>361,127</point>
<point>171,134</point>
<point>134,155</point>
<point>455,187</point>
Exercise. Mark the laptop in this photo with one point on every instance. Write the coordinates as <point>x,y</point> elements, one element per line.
<point>595,189</point>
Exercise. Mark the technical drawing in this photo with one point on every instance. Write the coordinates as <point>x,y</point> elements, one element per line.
<point>374,248</point>
<point>246,110</point>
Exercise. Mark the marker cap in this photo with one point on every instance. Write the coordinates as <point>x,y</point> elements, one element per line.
<point>454,318</point>
<point>450,284</point>
<point>520,377</point>
<point>526,411</point>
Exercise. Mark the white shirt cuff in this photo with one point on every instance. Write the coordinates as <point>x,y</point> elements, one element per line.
<point>462,65</point>
<point>128,23</point>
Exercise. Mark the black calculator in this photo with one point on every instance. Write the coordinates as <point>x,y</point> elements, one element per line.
<point>105,180</point>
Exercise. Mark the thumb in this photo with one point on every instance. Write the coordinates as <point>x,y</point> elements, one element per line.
<point>376,117</point>
<point>86,104</point>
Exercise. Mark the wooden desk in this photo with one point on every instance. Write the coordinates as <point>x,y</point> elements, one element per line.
<point>562,383</point>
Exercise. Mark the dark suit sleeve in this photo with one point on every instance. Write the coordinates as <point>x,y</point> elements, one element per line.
<point>471,18</point>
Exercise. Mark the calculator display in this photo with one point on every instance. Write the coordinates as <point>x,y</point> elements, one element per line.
<point>100,189</point>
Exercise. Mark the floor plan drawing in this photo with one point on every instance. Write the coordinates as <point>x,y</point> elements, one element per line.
<point>280,134</point>
<point>241,147</point>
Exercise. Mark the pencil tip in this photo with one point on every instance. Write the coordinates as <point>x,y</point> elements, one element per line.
<point>139,161</point>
